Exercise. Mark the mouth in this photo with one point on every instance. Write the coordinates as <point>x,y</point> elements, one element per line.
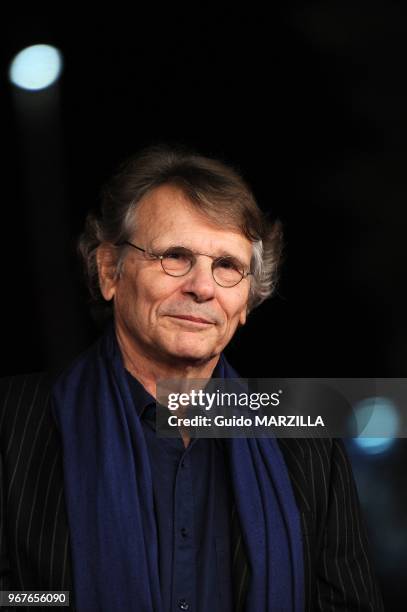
<point>198,320</point>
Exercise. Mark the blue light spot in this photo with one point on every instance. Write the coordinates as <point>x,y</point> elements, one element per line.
<point>36,67</point>
<point>377,422</point>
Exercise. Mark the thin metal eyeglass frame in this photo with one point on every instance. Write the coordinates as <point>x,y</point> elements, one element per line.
<point>245,274</point>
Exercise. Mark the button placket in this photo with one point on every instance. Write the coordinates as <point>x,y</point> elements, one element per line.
<point>184,570</point>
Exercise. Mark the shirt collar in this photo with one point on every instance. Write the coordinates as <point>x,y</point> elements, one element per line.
<point>142,398</point>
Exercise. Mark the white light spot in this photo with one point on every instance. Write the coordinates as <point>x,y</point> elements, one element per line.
<point>36,67</point>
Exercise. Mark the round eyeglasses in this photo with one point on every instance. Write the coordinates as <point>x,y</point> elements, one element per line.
<point>227,271</point>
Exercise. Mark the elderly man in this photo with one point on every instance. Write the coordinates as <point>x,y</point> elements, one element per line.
<point>95,502</point>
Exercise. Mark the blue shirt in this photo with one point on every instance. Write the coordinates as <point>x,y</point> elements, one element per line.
<point>192,502</point>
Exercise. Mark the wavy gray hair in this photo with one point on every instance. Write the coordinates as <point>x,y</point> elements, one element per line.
<point>214,188</point>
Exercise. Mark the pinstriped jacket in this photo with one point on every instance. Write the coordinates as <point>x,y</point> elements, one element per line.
<point>34,534</point>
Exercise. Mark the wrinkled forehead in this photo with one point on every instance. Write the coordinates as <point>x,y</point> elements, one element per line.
<point>166,217</point>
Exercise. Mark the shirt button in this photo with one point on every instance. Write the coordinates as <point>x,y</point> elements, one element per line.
<point>184,532</point>
<point>182,463</point>
<point>183,604</point>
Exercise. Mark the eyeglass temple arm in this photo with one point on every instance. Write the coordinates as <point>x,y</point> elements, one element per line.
<point>132,245</point>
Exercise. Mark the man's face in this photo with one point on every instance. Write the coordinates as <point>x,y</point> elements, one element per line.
<point>149,304</point>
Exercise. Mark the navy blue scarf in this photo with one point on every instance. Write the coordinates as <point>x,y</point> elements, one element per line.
<point>109,496</point>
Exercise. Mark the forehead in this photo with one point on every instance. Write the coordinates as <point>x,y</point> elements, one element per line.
<point>165,216</point>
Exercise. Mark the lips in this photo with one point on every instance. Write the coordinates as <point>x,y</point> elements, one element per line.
<point>194,319</point>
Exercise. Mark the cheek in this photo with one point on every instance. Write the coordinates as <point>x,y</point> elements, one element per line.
<point>233,305</point>
<point>151,293</point>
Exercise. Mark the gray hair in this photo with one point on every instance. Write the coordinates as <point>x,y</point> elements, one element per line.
<point>214,188</point>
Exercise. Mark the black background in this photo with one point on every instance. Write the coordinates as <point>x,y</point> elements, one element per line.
<point>309,102</point>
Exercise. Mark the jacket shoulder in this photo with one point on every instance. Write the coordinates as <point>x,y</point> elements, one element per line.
<point>22,397</point>
<point>25,386</point>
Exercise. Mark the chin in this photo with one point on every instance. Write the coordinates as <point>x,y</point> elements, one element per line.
<point>192,354</point>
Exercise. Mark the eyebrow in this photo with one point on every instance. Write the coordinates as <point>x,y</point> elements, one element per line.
<point>174,243</point>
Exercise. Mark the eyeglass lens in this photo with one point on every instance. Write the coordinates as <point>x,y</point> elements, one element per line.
<point>177,261</point>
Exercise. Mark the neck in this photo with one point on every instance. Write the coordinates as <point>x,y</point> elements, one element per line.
<point>148,370</point>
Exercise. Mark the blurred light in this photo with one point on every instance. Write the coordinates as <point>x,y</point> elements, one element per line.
<point>376,416</point>
<point>36,67</point>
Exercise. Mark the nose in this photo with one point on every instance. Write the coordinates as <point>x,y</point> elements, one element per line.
<point>199,282</point>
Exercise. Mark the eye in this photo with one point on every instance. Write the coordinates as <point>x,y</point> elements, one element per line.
<point>228,263</point>
<point>177,254</point>
<point>177,261</point>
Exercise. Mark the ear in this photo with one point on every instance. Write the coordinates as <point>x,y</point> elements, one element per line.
<point>106,258</point>
<point>243,316</point>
